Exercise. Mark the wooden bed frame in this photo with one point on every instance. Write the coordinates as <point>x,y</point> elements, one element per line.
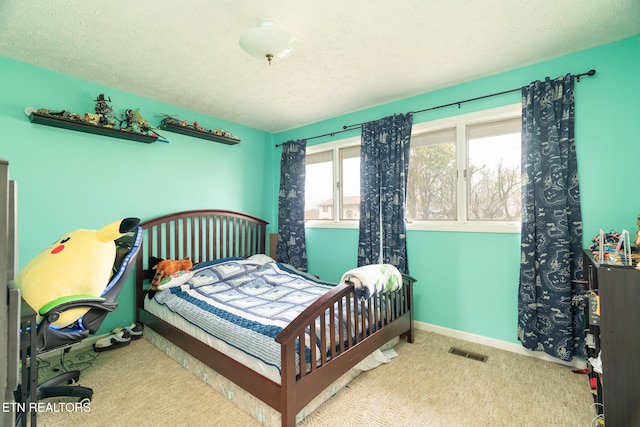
<point>205,235</point>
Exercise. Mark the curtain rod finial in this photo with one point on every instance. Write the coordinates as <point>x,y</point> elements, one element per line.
<point>591,72</point>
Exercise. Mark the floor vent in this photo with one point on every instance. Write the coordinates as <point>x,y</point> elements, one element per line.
<point>468,354</point>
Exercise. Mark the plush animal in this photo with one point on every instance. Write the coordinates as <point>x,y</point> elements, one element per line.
<point>165,268</point>
<point>79,263</point>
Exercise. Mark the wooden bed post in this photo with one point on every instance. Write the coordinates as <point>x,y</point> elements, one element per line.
<point>409,281</point>
<point>287,384</point>
<point>273,245</point>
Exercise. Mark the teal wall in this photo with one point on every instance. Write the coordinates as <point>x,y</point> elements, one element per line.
<point>69,180</point>
<point>469,281</point>
<point>466,281</point>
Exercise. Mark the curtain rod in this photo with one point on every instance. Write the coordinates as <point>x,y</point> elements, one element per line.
<point>347,128</point>
<point>326,134</point>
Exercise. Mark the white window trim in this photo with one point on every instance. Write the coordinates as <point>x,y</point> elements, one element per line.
<point>433,125</point>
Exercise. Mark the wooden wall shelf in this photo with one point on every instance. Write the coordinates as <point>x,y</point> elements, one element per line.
<point>176,128</point>
<point>61,122</point>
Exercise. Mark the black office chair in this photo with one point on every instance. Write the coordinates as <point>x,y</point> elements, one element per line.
<point>50,339</point>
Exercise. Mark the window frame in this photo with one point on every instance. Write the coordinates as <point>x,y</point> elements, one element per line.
<point>335,147</point>
<point>460,122</point>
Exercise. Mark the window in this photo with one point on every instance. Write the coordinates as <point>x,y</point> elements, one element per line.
<point>431,185</point>
<point>464,172</point>
<point>464,175</point>
<point>349,183</point>
<point>318,188</point>
<point>325,182</point>
<point>493,170</point>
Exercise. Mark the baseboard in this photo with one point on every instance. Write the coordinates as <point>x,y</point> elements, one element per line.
<point>87,342</point>
<point>492,342</point>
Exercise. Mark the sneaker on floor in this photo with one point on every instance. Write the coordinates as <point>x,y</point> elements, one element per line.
<point>113,341</point>
<point>134,329</point>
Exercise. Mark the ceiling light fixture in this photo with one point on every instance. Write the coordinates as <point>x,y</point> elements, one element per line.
<point>268,41</point>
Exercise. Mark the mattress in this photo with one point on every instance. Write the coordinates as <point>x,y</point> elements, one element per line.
<point>164,313</point>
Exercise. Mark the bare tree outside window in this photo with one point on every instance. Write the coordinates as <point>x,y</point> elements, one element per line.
<point>432,183</point>
<point>494,171</point>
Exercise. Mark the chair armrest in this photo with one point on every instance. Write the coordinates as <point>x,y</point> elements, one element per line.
<point>76,301</point>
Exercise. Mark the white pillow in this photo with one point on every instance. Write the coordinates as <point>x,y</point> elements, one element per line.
<point>261,259</point>
<point>176,279</point>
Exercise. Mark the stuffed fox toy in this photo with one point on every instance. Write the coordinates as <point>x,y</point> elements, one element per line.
<point>165,268</point>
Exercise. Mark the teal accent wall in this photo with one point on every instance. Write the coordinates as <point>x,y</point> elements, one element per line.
<point>466,281</point>
<point>469,281</point>
<point>69,180</point>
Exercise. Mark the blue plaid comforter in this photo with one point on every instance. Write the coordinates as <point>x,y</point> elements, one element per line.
<point>244,303</point>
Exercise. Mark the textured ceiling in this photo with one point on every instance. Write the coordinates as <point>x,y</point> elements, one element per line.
<point>350,54</point>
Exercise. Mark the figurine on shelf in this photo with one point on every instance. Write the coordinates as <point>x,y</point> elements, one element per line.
<point>94,119</point>
<point>196,130</point>
<point>134,122</point>
<point>170,119</point>
<point>104,111</point>
<point>127,119</point>
<point>48,112</point>
<point>144,124</point>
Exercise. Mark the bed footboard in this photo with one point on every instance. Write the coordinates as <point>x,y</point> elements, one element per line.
<point>344,331</point>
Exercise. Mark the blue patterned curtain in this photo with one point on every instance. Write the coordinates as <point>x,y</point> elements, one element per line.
<point>384,167</point>
<point>292,248</point>
<point>551,239</point>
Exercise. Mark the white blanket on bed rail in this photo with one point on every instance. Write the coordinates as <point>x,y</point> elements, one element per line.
<point>373,279</point>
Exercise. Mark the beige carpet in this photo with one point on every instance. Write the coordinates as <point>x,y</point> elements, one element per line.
<point>138,385</point>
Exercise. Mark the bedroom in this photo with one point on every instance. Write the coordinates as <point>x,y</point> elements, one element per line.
<point>68,180</point>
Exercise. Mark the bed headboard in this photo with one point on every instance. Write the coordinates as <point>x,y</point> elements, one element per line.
<point>201,235</point>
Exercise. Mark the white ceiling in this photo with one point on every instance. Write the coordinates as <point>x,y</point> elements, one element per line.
<point>350,54</point>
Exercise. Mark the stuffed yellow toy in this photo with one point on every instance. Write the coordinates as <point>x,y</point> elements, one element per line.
<point>79,263</point>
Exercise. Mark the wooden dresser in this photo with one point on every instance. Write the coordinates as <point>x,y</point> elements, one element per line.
<point>617,340</point>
